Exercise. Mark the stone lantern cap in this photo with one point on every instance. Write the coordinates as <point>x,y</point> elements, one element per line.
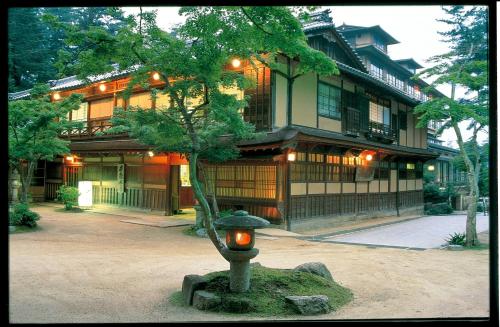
<point>241,220</point>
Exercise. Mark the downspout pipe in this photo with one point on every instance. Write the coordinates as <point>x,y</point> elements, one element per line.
<point>287,163</point>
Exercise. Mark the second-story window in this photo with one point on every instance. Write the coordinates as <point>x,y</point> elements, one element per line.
<point>329,101</point>
<point>376,71</point>
<point>391,79</point>
<point>378,43</point>
<point>80,114</point>
<point>258,110</point>
<point>380,111</point>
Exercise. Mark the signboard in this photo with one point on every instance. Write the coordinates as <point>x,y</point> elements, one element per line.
<point>120,173</point>
<point>85,193</point>
<point>364,173</point>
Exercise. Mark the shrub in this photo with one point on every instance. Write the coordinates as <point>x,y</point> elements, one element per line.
<point>456,239</point>
<point>68,195</point>
<point>22,215</point>
<point>438,209</point>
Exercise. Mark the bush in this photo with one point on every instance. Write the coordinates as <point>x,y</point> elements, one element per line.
<point>456,239</point>
<point>438,209</point>
<point>68,195</point>
<point>22,215</point>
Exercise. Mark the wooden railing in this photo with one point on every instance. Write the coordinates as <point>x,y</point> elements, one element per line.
<point>377,129</point>
<point>90,128</point>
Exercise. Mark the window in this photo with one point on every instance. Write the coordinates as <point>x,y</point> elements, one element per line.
<point>81,113</point>
<point>402,170</point>
<point>332,168</point>
<point>382,172</point>
<point>101,108</point>
<point>380,111</point>
<point>400,84</point>
<point>298,168</point>
<point>402,120</point>
<point>258,110</point>
<point>376,71</point>
<point>391,79</point>
<point>378,43</point>
<point>329,101</point>
<point>410,170</point>
<point>348,169</point>
<point>315,167</point>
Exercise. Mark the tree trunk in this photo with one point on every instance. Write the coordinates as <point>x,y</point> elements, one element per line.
<point>198,193</point>
<point>470,230</point>
<point>26,177</point>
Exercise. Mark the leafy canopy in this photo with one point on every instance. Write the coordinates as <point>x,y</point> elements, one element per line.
<point>35,124</point>
<point>193,63</point>
<point>465,65</point>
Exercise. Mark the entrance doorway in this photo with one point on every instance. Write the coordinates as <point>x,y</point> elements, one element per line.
<point>182,193</point>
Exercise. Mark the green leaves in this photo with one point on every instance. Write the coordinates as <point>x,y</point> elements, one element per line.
<point>35,124</point>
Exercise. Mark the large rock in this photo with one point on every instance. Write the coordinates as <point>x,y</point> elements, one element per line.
<point>316,268</point>
<point>203,300</point>
<point>191,284</point>
<point>309,305</point>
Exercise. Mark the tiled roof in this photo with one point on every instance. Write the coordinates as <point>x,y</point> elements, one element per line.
<point>73,82</point>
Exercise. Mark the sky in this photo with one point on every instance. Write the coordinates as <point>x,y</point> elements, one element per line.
<point>415,27</point>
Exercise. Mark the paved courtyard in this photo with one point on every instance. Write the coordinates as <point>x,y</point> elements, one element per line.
<point>93,268</point>
<point>424,233</point>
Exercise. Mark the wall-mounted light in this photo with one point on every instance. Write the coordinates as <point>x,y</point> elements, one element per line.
<point>151,153</point>
<point>369,157</point>
<point>291,156</point>
<point>70,158</point>
<point>56,96</point>
<point>236,63</point>
<point>430,168</point>
<point>102,87</point>
<point>156,76</point>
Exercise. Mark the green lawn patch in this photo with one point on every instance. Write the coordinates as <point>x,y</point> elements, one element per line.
<point>268,289</point>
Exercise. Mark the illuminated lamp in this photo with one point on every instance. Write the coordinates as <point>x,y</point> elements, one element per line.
<point>369,157</point>
<point>102,87</point>
<point>236,63</point>
<point>240,239</point>
<point>56,96</point>
<point>291,156</point>
<point>151,153</point>
<point>70,158</point>
<point>430,168</point>
<point>156,76</point>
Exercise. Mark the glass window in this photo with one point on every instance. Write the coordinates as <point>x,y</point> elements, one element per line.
<point>329,101</point>
<point>376,71</point>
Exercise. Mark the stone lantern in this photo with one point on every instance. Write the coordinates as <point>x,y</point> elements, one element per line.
<point>240,239</point>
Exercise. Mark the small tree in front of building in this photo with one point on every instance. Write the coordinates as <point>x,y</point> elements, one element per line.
<point>34,126</point>
<point>192,62</point>
<point>465,65</point>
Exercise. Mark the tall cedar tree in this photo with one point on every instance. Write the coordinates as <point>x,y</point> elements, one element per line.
<point>34,45</point>
<point>192,62</point>
<point>465,65</point>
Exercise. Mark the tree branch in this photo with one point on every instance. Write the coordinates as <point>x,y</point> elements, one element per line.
<point>259,26</point>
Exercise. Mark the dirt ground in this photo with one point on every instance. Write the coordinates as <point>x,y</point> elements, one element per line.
<point>85,267</point>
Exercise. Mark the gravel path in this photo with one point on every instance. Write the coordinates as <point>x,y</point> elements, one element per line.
<point>92,268</point>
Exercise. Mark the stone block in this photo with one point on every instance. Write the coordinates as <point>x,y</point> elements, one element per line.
<point>316,268</point>
<point>191,284</point>
<point>309,305</point>
<point>203,300</point>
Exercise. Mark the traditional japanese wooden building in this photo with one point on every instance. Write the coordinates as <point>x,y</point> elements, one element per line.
<point>336,147</point>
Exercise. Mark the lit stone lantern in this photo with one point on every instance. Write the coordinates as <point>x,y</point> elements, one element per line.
<point>240,239</point>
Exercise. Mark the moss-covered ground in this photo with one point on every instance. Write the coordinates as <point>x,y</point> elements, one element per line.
<point>268,289</point>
